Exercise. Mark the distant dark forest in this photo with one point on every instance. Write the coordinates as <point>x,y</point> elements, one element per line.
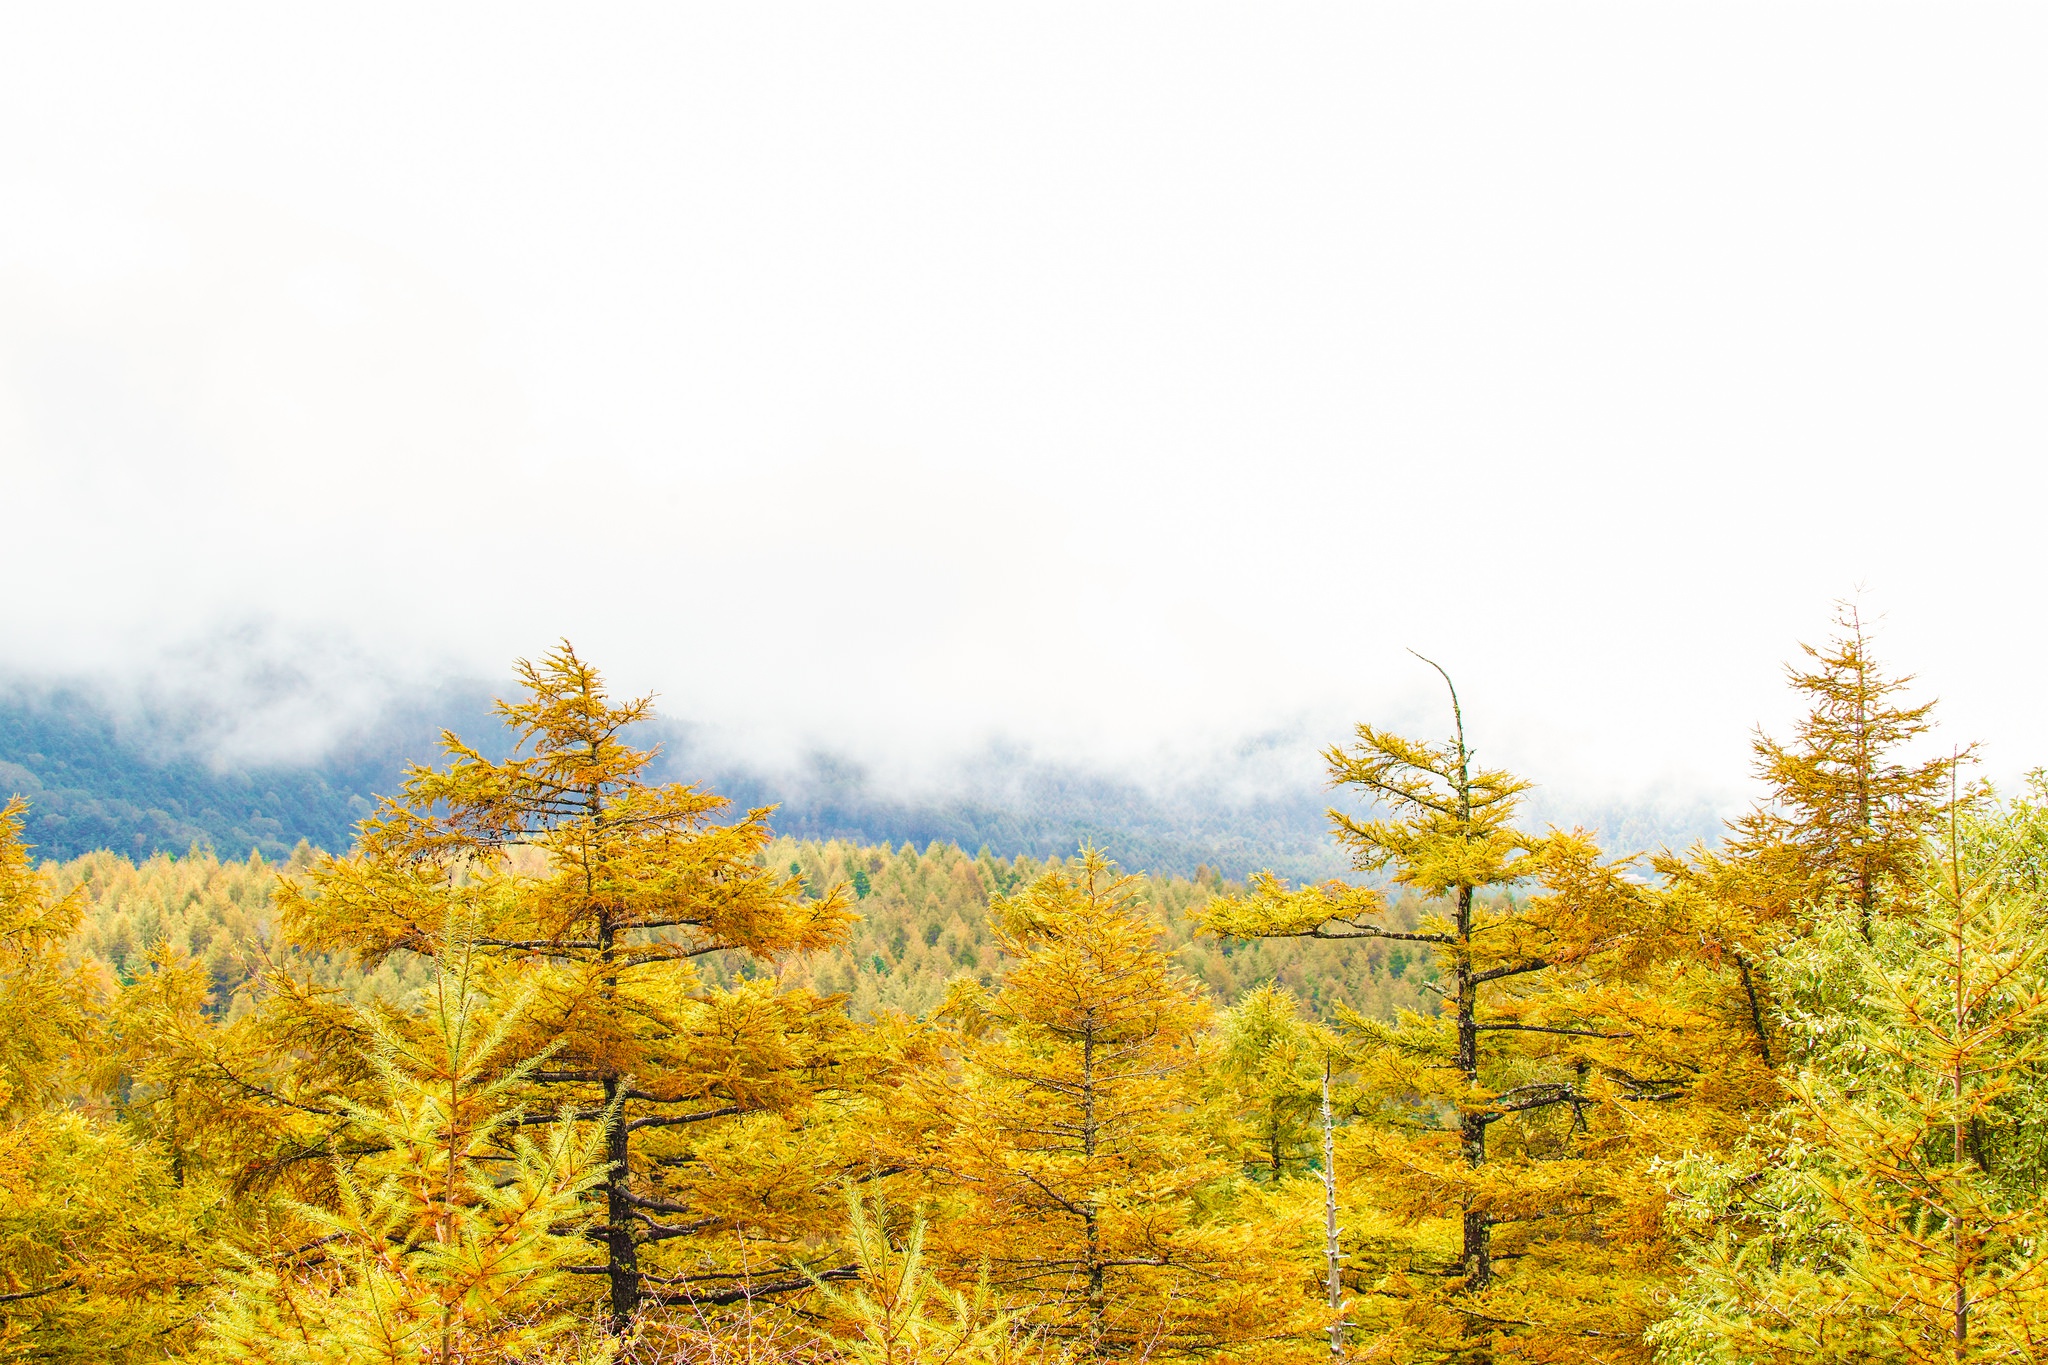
<point>98,783</point>
<point>100,779</point>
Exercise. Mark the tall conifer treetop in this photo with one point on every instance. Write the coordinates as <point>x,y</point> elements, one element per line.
<point>1844,814</point>
<point>1511,1110</point>
<point>634,872</point>
<point>595,889</point>
<point>1843,818</point>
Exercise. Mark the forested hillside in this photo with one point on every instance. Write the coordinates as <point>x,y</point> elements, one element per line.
<point>923,922</point>
<point>138,784</point>
<point>93,787</point>
<point>564,1062</point>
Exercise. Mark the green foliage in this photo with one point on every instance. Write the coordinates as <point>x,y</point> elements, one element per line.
<point>452,1232</point>
<point>898,1312</point>
<point>1265,1077</point>
<point>1891,1209</point>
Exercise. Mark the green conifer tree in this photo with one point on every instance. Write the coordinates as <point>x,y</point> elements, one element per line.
<point>453,1229</point>
<point>1892,1210</point>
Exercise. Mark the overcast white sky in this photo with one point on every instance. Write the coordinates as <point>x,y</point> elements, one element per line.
<point>1116,378</point>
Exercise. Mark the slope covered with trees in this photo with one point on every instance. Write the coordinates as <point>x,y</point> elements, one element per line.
<point>563,1061</point>
<point>923,921</point>
<point>92,786</point>
<point>141,780</point>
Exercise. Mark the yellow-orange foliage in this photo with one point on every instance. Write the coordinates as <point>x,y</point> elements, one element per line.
<point>1508,1136</point>
<point>595,890</point>
<point>1081,1179</point>
<point>102,1249</point>
<point>1844,816</point>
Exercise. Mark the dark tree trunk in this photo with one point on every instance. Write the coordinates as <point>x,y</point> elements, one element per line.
<point>622,1256</point>
<point>1478,1228</point>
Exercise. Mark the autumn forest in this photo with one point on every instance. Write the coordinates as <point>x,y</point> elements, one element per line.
<point>562,1063</point>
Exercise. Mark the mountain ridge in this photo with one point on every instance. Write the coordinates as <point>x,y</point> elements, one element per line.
<point>137,781</point>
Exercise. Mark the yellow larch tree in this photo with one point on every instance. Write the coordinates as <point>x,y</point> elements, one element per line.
<point>898,1312</point>
<point>1276,1082</point>
<point>1505,1133</point>
<point>48,1008</point>
<point>1069,1153</point>
<point>1843,822</point>
<point>594,890</point>
<point>1843,814</point>
<point>103,1250</point>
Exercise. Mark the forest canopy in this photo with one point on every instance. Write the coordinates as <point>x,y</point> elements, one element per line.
<point>561,1060</point>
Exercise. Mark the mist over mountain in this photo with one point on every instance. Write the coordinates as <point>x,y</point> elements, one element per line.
<point>139,773</point>
<point>101,771</point>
